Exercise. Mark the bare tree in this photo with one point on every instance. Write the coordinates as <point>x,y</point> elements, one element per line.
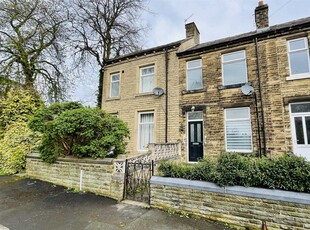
<point>106,29</point>
<point>31,48</point>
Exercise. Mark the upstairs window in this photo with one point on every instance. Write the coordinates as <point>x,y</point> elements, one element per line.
<point>234,68</point>
<point>147,75</point>
<point>238,130</point>
<point>298,53</point>
<point>114,89</point>
<point>194,75</point>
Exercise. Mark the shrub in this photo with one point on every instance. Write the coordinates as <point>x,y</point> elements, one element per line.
<point>71,129</point>
<point>285,172</point>
<point>234,169</point>
<point>170,169</point>
<point>16,139</point>
<point>17,142</point>
<point>18,106</point>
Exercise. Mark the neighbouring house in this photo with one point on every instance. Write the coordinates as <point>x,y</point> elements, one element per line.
<point>128,92</point>
<point>246,93</point>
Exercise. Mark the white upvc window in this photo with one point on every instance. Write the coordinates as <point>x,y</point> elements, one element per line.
<point>238,130</point>
<point>147,77</point>
<point>194,75</point>
<point>298,56</point>
<point>114,87</point>
<point>234,69</point>
<point>145,130</point>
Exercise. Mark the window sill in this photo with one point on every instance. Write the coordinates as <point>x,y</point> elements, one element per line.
<point>193,91</point>
<point>113,99</point>
<point>238,151</point>
<point>297,77</point>
<point>221,87</point>
<point>144,94</point>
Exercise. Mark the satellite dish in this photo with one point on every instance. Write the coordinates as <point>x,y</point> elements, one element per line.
<point>247,89</point>
<point>158,91</point>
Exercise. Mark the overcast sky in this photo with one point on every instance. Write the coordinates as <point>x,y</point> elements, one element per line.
<point>215,19</point>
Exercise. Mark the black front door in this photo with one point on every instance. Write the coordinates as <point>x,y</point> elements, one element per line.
<point>195,140</point>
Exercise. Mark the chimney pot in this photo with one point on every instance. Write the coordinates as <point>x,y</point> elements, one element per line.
<point>260,2</point>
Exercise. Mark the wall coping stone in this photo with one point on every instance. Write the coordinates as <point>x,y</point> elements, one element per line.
<point>108,161</point>
<point>271,194</point>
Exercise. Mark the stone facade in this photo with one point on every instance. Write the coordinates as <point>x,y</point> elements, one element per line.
<point>244,208</point>
<point>131,102</point>
<point>267,70</point>
<point>267,64</point>
<point>97,176</point>
<point>277,93</point>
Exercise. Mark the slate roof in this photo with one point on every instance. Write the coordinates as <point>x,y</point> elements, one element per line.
<point>260,33</point>
<point>147,51</point>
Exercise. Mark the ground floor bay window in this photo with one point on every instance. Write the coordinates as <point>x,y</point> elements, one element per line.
<point>238,131</point>
<point>145,130</point>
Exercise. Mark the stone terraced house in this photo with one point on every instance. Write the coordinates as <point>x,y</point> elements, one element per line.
<point>246,93</point>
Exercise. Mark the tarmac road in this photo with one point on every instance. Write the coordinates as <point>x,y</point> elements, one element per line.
<point>33,204</point>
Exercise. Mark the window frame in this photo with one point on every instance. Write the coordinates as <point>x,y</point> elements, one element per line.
<point>293,128</point>
<point>232,61</point>
<point>187,74</point>
<point>139,123</point>
<point>238,119</point>
<point>117,81</point>
<point>142,76</point>
<point>289,51</point>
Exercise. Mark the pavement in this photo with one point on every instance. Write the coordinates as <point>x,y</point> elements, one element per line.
<point>33,204</point>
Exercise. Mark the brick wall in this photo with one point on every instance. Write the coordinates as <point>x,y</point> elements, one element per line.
<point>95,176</point>
<point>238,206</point>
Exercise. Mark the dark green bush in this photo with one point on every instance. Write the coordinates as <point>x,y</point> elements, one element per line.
<point>234,169</point>
<point>204,170</point>
<point>71,129</point>
<point>176,170</point>
<point>286,172</point>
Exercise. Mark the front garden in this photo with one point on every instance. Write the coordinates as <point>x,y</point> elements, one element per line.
<point>58,130</point>
<point>286,172</point>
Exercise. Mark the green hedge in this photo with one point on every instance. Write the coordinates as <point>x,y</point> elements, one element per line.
<point>286,172</point>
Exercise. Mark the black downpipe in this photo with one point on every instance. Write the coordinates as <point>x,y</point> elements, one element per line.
<point>261,97</point>
<point>258,126</point>
<point>166,112</point>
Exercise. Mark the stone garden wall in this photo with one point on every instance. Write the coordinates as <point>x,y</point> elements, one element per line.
<point>97,176</point>
<point>236,205</point>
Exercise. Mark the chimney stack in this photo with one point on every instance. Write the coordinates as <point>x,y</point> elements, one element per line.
<point>192,32</point>
<point>261,15</point>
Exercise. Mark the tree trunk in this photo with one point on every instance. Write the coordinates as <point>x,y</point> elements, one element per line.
<point>100,88</point>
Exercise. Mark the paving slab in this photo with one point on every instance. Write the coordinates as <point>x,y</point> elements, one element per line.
<point>28,204</point>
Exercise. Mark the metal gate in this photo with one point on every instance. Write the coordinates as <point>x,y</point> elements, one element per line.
<point>137,181</point>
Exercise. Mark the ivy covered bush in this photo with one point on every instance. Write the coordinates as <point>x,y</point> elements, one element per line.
<point>16,139</point>
<point>286,172</point>
<point>69,129</point>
